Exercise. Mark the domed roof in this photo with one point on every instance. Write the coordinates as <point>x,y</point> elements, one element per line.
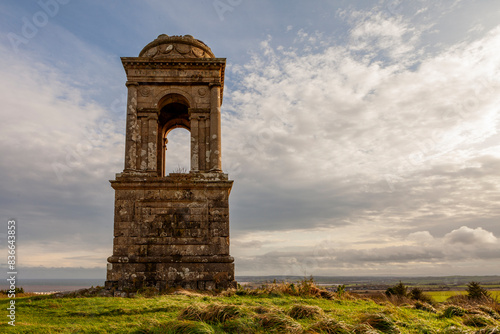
<point>176,47</point>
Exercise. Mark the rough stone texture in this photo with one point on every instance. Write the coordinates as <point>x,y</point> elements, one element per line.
<point>172,230</point>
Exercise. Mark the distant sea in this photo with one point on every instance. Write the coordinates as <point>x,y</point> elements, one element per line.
<point>54,285</point>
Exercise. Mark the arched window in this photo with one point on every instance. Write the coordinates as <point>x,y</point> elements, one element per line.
<point>177,155</point>
<point>173,115</point>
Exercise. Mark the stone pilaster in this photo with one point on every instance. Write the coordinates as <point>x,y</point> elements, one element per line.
<point>195,141</point>
<point>132,128</point>
<point>215,128</point>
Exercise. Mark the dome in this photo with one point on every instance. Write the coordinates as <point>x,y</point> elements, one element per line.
<point>176,47</point>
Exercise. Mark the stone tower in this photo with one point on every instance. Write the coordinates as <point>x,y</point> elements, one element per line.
<point>172,230</point>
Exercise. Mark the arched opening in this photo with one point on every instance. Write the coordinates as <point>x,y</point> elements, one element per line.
<point>177,155</point>
<point>173,115</point>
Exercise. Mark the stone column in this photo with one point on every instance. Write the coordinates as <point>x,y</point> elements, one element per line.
<point>215,128</point>
<point>132,130</point>
<point>195,158</point>
<point>153,142</point>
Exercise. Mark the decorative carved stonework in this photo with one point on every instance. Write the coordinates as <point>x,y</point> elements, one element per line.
<point>172,230</point>
<point>176,47</point>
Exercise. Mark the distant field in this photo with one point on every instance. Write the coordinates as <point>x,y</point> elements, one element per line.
<point>441,296</point>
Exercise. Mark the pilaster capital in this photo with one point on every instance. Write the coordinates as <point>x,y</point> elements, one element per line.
<point>198,116</point>
<point>131,83</point>
<point>150,113</point>
<point>198,111</point>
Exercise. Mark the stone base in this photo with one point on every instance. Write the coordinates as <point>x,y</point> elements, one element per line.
<point>171,232</point>
<point>162,276</point>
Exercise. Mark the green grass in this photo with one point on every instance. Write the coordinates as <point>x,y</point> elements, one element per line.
<point>241,312</point>
<point>441,296</point>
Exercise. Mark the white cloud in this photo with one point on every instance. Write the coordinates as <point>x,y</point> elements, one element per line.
<point>463,249</point>
<point>60,149</point>
<point>347,158</point>
<point>469,236</point>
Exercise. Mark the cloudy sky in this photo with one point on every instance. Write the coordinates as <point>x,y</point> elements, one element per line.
<point>362,136</point>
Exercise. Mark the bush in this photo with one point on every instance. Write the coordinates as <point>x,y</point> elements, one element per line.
<point>17,290</point>
<point>476,292</point>
<point>398,290</point>
<point>418,294</point>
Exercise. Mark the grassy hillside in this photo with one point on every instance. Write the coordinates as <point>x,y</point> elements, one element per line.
<point>278,308</point>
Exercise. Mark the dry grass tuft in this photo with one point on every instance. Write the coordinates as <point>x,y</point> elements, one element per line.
<point>477,320</point>
<point>454,330</point>
<point>305,288</point>
<point>424,307</point>
<point>489,311</point>
<point>489,330</point>
<point>241,326</point>
<point>279,323</point>
<point>212,313</point>
<point>189,327</point>
<point>453,311</point>
<point>189,293</point>
<point>365,329</point>
<point>380,322</point>
<point>329,326</point>
<point>301,311</point>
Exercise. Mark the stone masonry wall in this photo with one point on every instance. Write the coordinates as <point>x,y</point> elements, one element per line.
<point>171,231</point>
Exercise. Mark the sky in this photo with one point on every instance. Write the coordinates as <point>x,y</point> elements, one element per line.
<point>362,136</point>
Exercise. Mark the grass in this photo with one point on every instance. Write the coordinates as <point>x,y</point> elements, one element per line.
<point>441,296</point>
<point>280,308</point>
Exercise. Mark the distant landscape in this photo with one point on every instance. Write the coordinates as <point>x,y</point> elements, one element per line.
<point>352,283</point>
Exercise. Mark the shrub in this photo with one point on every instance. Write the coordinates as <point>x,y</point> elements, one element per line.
<point>476,292</point>
<point>329,326</point>
<point>301,311</point>
<point>17,290</point>
<point>418,294</point>
<point>340,290</point>
<point>398,290</point>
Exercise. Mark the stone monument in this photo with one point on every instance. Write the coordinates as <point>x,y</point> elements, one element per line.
<point>172,230</point>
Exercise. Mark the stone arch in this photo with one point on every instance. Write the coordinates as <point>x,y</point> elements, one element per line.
<point>164,93</point>
<point>173,112</point>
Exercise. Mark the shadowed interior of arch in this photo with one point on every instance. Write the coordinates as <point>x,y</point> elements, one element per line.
<point>174,129</point>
